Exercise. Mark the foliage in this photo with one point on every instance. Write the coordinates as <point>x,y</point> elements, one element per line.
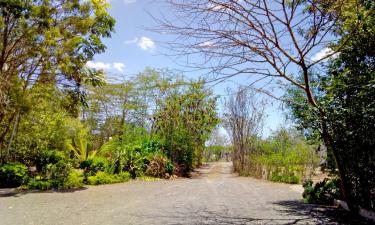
<point>324,192</point>
<point>104,178</point>
<point>74,179</point>
<point>94,165</point>
<point>78,144</point>
<point>347,116</point>
<point>134,157</point>
<point>215,152</point>
<point>47,43</point>
<point>58,173</point>
<point>285,156</point>
<point>13,175</point>
<point>183,121</point>
<point>48,157</point>
<point>39,184</point>
<point>285,179</point>
<point>44,126</point>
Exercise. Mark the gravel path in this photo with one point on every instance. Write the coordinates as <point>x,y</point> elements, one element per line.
<point>216,196</point>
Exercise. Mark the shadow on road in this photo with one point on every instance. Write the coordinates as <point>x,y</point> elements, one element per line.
<point>11,192</point>
<point>289,212</point>
<point>321,214</point>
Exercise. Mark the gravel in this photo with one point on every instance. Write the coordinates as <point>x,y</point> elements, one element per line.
<point>215,196</point>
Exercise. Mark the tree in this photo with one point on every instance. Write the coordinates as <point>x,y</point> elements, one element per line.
<point>243,119</point>
<point>184,120</point>
<point>271,39</point>
<point>347,94</point>
<point>47,42</point>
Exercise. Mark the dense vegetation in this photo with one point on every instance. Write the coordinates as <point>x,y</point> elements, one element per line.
<point>62,125</point>
<point>345,94</point>
<point>124,131</point>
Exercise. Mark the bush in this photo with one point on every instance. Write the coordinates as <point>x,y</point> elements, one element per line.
<point>47,157</point>
<point>285,179</point>
<point>39,184</point>
<point>157,165</point>
<point>74,180</point>
<point>104,178</point>
<point>324,192</point>
<point>13,175</point>
<point>94,165</point>
<point>58,173</point>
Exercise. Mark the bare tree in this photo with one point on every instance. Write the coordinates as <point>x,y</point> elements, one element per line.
<point>272,40</point>
<point>267,38</point>
<point>243,119</point>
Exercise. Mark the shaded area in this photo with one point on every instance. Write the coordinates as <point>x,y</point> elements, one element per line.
<point>12,192</point>
<point>322,214</point>
<point>291,212</point>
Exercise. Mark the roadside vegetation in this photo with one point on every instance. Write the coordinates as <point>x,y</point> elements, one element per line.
<point>285,156</point>
<point>64,125</point>
<point>320,52</point>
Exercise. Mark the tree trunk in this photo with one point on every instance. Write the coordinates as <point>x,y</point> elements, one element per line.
<point>346,186</point>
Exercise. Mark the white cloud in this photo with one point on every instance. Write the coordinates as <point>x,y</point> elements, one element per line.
<point>146,43</point>
<point>106,66</point>
<point>207,44</point>
<point>98,65</point>
<point>119,66</point>
<point>323,53</point>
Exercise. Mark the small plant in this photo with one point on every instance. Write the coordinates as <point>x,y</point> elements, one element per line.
<point>74,180</point>
<point>291,179</point>
<point>39,184</point>
<point>95,164</point>
<point>104,178</point>
<point>13,175</point>
<point>58,173</point>
<point>324,192</point>
<point>169,167</point>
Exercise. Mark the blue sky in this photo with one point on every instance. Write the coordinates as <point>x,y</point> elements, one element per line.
<point>132,48</point>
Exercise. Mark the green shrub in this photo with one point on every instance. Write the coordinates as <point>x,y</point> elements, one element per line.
<point>324,192</point>
<point>104,178</point>
<point>58,173</point>
<point>39,185</point>
<point>74,180</point>
<point>291,179</point>
<point>92,166</point>
<point>47,157</point>
<point>169,167</point>
<point>13,175</point>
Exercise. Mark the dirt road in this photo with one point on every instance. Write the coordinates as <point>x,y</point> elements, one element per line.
<point>215,197</point>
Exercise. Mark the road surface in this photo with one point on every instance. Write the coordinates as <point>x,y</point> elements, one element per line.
<point>216,196</point>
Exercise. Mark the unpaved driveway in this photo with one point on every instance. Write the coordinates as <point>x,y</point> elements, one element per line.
<point>215,197</point>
